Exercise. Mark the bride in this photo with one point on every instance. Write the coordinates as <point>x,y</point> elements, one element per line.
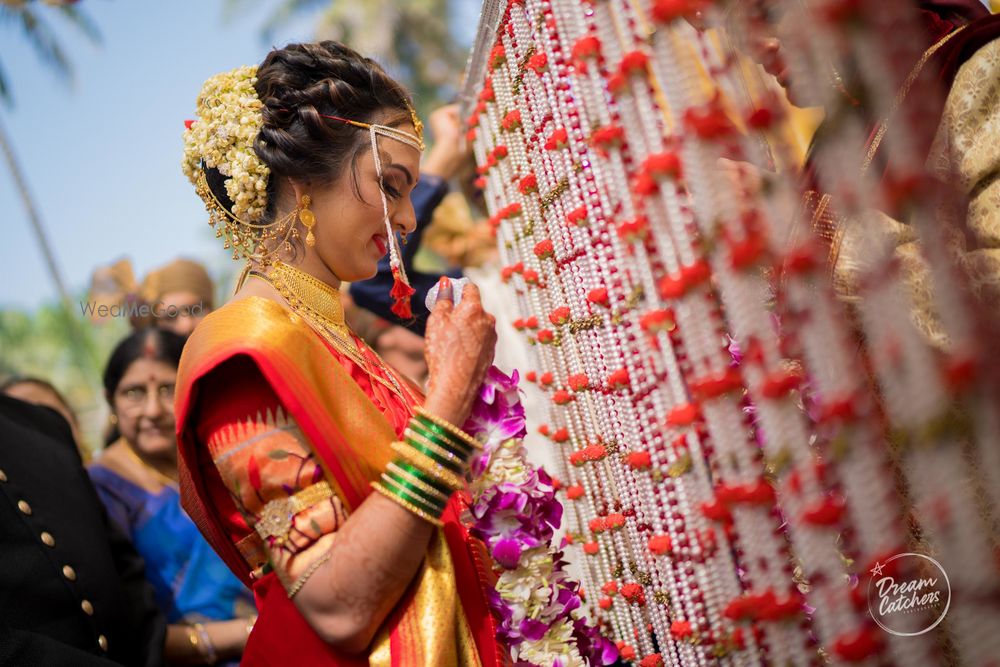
<point>324,480</point>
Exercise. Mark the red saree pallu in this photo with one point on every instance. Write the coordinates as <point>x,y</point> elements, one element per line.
<point>443,617</point>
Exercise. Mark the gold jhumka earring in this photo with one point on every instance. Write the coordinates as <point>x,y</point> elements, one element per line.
<point>308,219</point>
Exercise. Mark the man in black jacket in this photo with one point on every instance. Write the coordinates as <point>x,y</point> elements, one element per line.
<point>72,587</point>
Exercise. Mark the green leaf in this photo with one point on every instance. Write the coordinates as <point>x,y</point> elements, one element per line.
<point>82,21</point>
<point>5,94</point>
<point>45,44</point>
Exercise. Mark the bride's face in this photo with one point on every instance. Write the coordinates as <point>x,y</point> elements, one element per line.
<point>350,232</point>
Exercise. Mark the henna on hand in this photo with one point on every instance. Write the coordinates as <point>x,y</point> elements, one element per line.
<point>461,341</point>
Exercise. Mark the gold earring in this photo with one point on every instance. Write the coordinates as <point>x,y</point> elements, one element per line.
<point>113,419</point>
<point>308,219</point>
<point>402,236</point>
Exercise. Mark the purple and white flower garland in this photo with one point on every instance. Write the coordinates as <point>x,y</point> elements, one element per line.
<point>515,512</point>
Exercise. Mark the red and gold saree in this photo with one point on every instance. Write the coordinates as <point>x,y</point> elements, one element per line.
<point>268,410</point>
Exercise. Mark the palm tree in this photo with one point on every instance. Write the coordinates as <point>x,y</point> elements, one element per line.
<point>31,18</point>
<point>35,29</point>
<point>412,38</point>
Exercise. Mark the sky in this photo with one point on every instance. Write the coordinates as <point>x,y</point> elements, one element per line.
<point>102,156</point>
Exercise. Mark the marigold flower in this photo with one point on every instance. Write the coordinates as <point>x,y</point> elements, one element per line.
<point>558,139</point>
<point>633,593</point>
<point>562,397</point>
<point>577,216</point>
<point>512,120</point>
<point>619,379</point>
<point>599,297</point>
<point>578,381</point>
<point>681,629</point>
<point>632,231</point>
<point>560,316</point>
<point>498,56</point>
<point>639,460</point>
<point>683,414</point>
<point>656,321</point>
<point>660,544</point>
<point>709,122</point>
<point>607,137</point>
<point>584,49</point>
<point>544,249</point>
<point>538,63</point>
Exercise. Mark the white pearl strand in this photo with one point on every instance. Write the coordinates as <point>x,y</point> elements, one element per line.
<point>640,263</point>
<point>723,415</point>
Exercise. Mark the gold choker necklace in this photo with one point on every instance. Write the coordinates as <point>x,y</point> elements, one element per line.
<point>313,294</point>
<point>319,304</point>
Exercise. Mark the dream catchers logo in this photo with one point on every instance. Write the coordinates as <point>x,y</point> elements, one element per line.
<point>908,594</point>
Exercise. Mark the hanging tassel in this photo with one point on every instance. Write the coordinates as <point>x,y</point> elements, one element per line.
<point>401,293</point>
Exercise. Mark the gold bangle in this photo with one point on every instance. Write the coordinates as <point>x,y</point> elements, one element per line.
<point>428,465</point>
<point>407,505</point>
<point>206,647</point>
<point>437,449</point>
<point>451,428</point>
<point>310,571</point>
<point>419,483</point>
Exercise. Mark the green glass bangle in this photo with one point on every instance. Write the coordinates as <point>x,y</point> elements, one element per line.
<point>449,465</point>
<point>416,488</point>
<point>393,487</point>
<point>455,431</point>
<point>448,442</point>
<point>424,477</point>
<point>428,424</point>
<point>443,452</point>
<point>416,501</point>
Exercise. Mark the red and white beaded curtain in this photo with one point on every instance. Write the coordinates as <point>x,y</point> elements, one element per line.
<point>731,472</point>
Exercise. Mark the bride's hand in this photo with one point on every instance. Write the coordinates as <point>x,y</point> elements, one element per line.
<point>460,345</point>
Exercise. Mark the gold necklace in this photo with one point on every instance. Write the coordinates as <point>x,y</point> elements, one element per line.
<point>319,304</point>
<point>166,480</point>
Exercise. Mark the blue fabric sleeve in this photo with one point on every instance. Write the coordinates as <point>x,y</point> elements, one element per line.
<point>373,294</point>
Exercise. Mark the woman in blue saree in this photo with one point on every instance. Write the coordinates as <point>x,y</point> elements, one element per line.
<point>209,610</point>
